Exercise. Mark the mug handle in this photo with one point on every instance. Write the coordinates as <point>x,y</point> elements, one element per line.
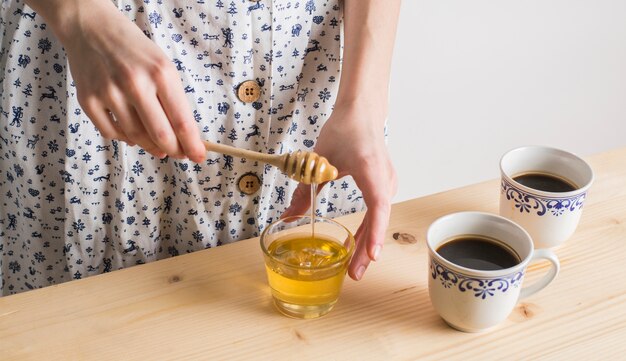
<point>554,270</point>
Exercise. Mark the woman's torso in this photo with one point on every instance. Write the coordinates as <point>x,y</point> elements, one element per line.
<point>76,204</point>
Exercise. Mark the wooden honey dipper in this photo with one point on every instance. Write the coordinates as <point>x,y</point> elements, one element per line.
<point>304,167</point>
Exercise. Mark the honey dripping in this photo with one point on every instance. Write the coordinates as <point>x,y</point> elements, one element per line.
<point>313,206</point>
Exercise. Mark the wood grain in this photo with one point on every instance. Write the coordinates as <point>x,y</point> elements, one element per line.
<point>215,304</point>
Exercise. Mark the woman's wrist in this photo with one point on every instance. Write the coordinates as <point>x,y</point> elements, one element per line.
<point>372,107</point>
<point>68,17</point>
<point>60,15</point>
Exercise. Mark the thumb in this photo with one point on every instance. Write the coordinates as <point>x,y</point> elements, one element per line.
<point>300,201</point>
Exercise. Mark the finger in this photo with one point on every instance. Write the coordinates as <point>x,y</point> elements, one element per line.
<point>103,121</point>
<point>378,217</point>
<point>370,239</point>
<point>156,125</point>
<point>176,106</point>
<point>150,147</point>
<point>393,176</point>
<point>117,126</point>
<point>131,125</point>
<point>360,260</point>
<point>378,201</point>
<point>300,201</point>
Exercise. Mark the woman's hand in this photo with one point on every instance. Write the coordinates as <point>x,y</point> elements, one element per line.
<point>125,83</point>
<point>353,137</point>
<point>351,142</point>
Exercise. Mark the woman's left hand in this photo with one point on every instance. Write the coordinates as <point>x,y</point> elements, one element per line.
<point>353,141</point>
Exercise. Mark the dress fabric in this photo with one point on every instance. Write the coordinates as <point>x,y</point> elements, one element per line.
<point>73,204</point>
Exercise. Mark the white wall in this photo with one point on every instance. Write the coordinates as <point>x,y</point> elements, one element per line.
<point>473,79</point>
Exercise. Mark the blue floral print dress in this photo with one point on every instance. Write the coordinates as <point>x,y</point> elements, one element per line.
<point>73,204</point>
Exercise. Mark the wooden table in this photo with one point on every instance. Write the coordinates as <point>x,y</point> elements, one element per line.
<point>215,304</point>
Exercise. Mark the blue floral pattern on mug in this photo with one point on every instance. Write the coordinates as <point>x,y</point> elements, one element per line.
<point>527,202</point>
<point>481,287</point>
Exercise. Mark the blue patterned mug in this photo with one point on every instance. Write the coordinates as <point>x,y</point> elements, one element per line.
<point>473,300</point>
<point>550,217</point>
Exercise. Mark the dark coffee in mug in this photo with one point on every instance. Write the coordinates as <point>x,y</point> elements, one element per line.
<point>478,252</point>
<point>545,182</point>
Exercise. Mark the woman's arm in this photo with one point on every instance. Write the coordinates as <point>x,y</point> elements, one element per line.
<point>369,34</point>
<point>353,137</point>
<point>125,83</point>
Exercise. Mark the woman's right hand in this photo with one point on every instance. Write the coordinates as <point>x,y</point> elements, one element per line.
<point>125,83</point>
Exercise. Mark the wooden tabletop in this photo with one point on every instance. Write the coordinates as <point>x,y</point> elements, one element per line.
<point>215,304</point>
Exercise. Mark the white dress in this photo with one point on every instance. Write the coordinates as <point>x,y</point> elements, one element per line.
<point>73,204</point>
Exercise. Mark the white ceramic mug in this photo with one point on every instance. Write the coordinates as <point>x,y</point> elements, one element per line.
<point>473,300</point>
<point>549,217</point>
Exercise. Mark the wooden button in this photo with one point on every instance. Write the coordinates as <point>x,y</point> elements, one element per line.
<point>249,183</point>
<point>249,91</point>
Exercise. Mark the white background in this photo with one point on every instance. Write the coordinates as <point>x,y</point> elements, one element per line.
<point>473,79</point>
